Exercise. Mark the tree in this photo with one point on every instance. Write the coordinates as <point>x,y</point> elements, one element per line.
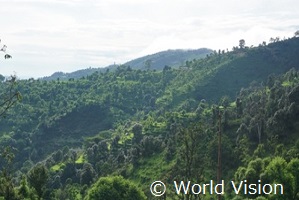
<point>24,190</point>
<point>114,188</point>
<point>87,175</point>
<point>272,40</point>
<point>38,177</point>
<point>191,154</point>
<point>296,34</point>
<point>264,43</point>
<point>277,172</point>
<point>9,96</point>
<point>137,130</point>
<point>241,43</point>
<point>7,188</point>
<point>150,145</point>
<point>293,168</point>
<point>239,108</point>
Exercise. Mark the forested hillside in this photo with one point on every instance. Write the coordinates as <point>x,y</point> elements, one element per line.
<point>120,131</point>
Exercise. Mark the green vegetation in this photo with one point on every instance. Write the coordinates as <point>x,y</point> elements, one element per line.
<point>109,135</point>
<point>114,188</point>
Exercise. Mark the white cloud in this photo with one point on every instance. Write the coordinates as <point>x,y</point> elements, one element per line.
<point>45,36</point>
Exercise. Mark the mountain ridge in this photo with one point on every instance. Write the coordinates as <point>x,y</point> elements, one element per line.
<point>172,57</point>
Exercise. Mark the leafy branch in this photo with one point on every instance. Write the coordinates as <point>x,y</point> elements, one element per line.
<point>10,96</point>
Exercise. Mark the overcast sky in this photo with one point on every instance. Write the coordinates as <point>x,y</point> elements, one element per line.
<point>45,36</point>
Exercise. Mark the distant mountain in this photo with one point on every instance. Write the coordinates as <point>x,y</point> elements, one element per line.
<point>172,58</point>
<point>75,75</point>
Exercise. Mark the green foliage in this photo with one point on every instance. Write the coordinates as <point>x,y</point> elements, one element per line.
<point>8,95</point>
<point>114,188</point>
<point>57,167</point>
<point>137,131</point>
<point>87,175</point>
<point>38,177</point>
<point>24,190</point>
<point>80,159</point>
<point>278,171</point>
<point>7,187</point>
<point>191,154</point>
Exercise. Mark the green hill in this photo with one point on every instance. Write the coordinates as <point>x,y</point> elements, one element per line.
<point>148,125</point>
<point>225,74</point>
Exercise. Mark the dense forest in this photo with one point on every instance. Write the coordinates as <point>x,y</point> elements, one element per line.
<point>110,134</point>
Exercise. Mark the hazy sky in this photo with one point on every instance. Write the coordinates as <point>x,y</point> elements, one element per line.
<point>44,36</point>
